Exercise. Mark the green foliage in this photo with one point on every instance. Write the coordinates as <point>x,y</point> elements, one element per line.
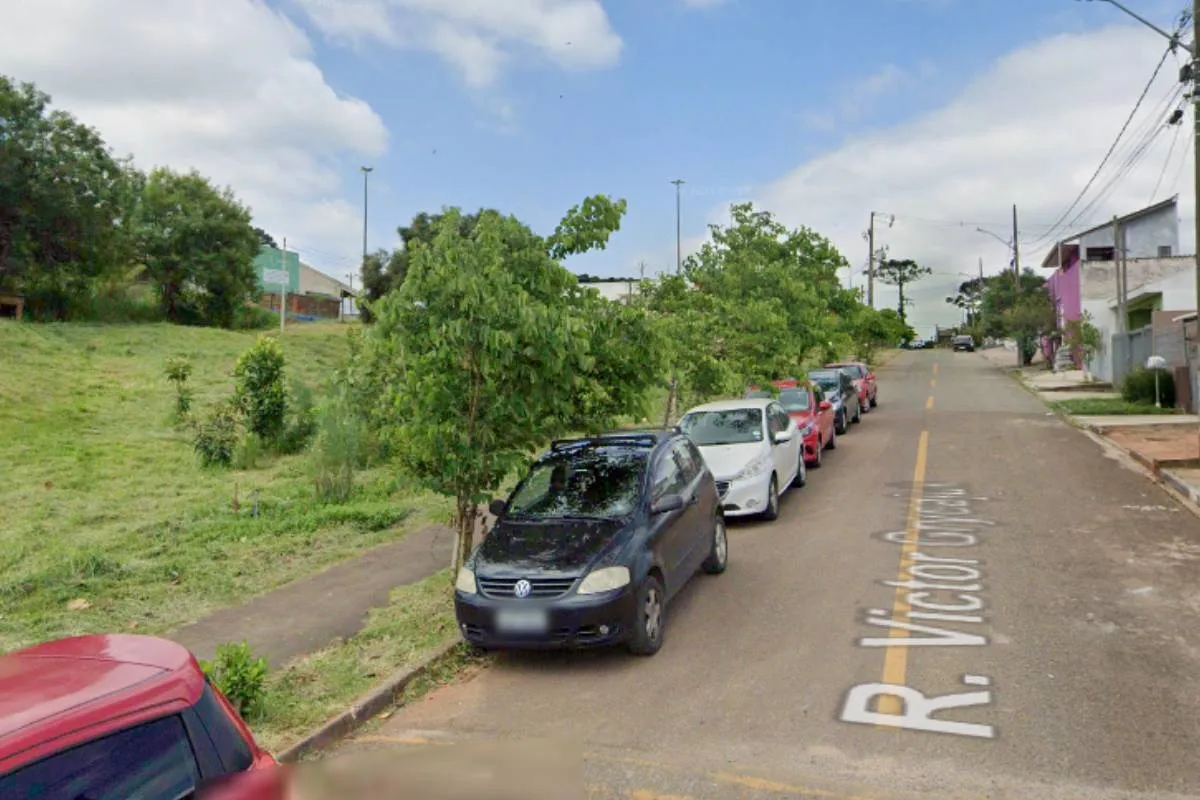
<point>178,369</point>
<point>254,318</point>
<point>63,198</point>
<point>1083,337</point>
<point>241,677</point>
<point>218,435</point>
<point>487,342</point>
<point>199,247</point>
<point>901,273</point>
<point>1138,387</point>
<point>341,448</point>
<point>1031,318</point>
<point>261,392</point>
<point>249,453</point>
<point>872,329</point>
<point>300,424</point>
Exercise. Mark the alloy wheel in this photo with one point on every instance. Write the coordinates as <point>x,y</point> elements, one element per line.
<point>652,614</point>
<point>721,543</point>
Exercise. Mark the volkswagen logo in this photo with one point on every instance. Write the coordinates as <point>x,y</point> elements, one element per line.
<point>522,588</point>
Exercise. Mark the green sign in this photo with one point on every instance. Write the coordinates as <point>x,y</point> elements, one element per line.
<point>271,260</point>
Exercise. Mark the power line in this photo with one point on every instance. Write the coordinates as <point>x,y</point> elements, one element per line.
<point>1153,77</point>
<point>1166,163</point>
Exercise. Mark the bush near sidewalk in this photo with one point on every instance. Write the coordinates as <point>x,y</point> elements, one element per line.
<point>1106,407</point>
<point>1138,387</point>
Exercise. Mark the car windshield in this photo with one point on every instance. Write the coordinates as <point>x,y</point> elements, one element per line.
<point>759,395</point>
<point>794,400</point>
<point>600,482</point>
<point>830,381</point>
<point>730,426</point>
<point>854,369</point>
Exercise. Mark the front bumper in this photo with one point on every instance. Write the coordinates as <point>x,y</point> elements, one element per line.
<point>812,446</point>
<point>575,621</point>
<point>744,497</point>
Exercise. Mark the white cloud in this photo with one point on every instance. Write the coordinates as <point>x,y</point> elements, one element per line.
<point>1031,130</point>
<point>855,99</point>
<point>477,37</point>
<point>229,88</point>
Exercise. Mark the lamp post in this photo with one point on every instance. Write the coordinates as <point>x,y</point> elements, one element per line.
<point>678,227</point>
<point>366,172</point>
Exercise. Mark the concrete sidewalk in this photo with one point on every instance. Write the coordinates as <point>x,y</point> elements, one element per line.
<point>309,614</point>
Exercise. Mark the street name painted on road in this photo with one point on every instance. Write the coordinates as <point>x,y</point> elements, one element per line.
<point>937,604</point>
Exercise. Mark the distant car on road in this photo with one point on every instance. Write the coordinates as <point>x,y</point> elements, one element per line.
<point>864,381</point>
<point>964,343</point>
<point>841,393</point>
<point>753,448</point>
<point>592,545</point>
<point>114,717</point>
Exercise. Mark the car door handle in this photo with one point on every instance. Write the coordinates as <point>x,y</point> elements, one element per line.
<point>693,500</point>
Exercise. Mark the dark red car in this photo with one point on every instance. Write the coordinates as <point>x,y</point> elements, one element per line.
<point>805,403</point>
<point>864,381</point>
<point>116,716</point>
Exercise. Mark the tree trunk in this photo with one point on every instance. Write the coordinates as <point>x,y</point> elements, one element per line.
<point>671,400</point>
<point>903,315</point>
<point>464,539</point>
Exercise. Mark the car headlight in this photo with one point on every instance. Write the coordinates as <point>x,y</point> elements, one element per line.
<point>606,579</point>
<point>755,468</point>
<point>465,582</point>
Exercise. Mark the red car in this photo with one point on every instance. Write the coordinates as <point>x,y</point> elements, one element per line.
<point>116,716</point>
<point>864,381</point>
<point>806,404</point>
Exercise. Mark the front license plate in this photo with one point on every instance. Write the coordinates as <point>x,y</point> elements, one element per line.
<point>522,620</point>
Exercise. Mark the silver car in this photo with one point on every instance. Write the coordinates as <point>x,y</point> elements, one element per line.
<point>839,390</point>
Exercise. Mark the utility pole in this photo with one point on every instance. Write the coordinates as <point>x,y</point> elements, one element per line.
<point>678,238</point>
<point>347,301</point>
<point>871,262</point>
<point>366,171</point>
<point>1016,277</point>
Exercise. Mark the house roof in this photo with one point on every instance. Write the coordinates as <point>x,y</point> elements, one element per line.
<point>341,286</point>
<point>1051,259</point>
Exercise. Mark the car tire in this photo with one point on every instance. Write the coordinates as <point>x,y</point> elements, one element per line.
<point>771,513</point>
<point>875,401</point>
<point>647,639</point>
<point>801,472</point>
<point>718,555</point>
<point>857,415</point>
<point>839,424</point>
<point>833,434</point>
<point>820,457</point>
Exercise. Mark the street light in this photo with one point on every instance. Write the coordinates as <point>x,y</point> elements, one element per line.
<point>678,239</point>
<point>366,171</point>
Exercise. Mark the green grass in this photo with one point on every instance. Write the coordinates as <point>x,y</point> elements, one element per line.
<point>311,690</point>
<point>104,500</point>
<point>1105,407</point>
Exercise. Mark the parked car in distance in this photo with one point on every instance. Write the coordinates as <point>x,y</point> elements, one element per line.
<point>753,448</point>
<point>806,404</point>
<point>841,393</point>
<point>864,380</point>
<point>593,544</point>
<point>116,716</point>
<point>964,343</point>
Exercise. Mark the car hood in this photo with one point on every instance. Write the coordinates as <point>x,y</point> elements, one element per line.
<point>727,460</point>
<point>551,546</point>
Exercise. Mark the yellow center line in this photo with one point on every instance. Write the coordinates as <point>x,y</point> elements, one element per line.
<point>895,661</point>
<point>929,403</point>
<point>933,383</point>
<point>935,368</point>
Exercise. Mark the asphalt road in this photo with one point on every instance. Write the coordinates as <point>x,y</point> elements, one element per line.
<point>1062,662</point>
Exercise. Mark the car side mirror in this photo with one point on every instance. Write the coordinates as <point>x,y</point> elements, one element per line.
<point>783,437</point>
<point>667,504</point>
<point>825,405</point>
<point>497,507</point>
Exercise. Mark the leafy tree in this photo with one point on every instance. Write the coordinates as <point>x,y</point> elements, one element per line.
<point>63,199</point>
<point>494,342</point>
<point>901,273</point>
<point>261,393</point>
<point>266,239</point>
<point>1031,318</point>
<point>969,297</point>
<point>1001,293</point>
<point>1084,338</point>
<point>199,247</point>
<point>872,329</point>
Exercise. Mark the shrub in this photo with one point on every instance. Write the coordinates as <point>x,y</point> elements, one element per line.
<point>301,423</point>
<point>218,435</point>
<point>341,448</point>
<point>254,318</point>
<point>261,393</point>
<point>240,676</point>
<point>178,370</point>
<point>1139,387</point>
<point>248,453</point>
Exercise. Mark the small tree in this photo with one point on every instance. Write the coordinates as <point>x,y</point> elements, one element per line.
<point>900,274</point>
<point>261,389</point>
<point>178,370</point>
<point>1084,339</point>
<point>492,339</point>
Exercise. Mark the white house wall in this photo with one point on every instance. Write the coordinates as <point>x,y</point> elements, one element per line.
<point>1143,236</point>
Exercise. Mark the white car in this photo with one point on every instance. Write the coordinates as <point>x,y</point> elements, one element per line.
<point>753,449</point>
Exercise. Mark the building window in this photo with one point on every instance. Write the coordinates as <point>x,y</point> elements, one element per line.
<point>1100,253</point>
<point>1164,251</point>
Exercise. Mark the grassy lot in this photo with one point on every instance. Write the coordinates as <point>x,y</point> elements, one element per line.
<point>110,524</point>
<point>1104,407</point>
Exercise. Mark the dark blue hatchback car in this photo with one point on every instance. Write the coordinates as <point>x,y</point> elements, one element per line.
<point>592,545</point>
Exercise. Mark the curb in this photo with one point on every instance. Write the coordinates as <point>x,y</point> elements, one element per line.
<point>1173,481</point>
<point>377,700</point>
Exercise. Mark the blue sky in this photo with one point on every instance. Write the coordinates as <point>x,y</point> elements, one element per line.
<point>943,113</point>
<point>729,97</point>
